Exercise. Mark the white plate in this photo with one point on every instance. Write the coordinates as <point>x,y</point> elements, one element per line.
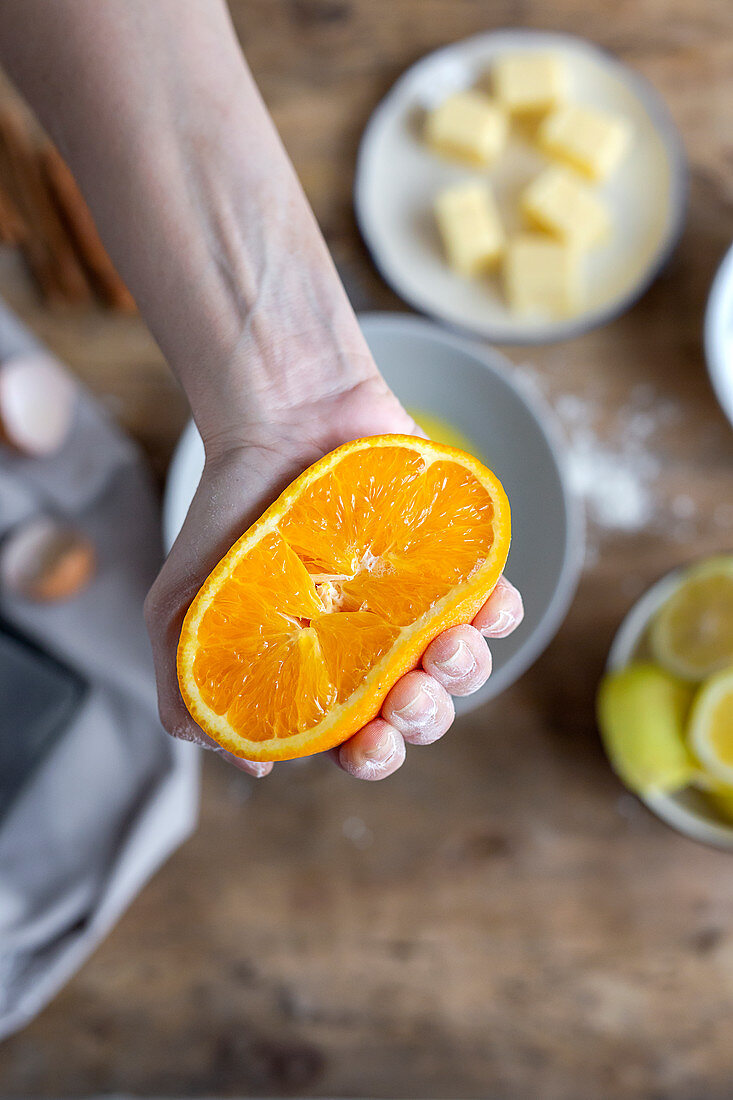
<point>473,389</point>
<point>688,811</point>
<point>719,334</point>
<point>397,178</point>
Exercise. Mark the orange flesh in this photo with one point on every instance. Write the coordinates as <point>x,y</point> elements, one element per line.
<point>290,630</point>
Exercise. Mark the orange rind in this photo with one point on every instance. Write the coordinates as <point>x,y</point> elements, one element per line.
<point>294,640</point>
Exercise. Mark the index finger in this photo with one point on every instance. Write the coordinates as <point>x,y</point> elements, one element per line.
<point>502,613</point>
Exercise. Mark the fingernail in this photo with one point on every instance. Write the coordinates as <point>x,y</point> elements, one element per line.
<point>460,662</point>
<point>383,751</point>
<point>368,762</point>
<point>421,708</point>
<point>258,768</point>
<point>381,760</point>
<point>501,622</point>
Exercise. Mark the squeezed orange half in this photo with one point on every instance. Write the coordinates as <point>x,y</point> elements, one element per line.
<point>294,640</point>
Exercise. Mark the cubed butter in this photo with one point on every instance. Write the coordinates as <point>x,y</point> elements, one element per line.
<point>541,276</point>
<point>559,202</point>
<point>470,226</point>
<point>529,83</point>
<point>469,126</point>
<point>592,141</point>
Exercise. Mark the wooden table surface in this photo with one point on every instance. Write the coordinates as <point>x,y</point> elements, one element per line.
<point>499,919</point>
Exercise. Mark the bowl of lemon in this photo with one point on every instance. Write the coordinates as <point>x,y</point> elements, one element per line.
<point>665,703</point>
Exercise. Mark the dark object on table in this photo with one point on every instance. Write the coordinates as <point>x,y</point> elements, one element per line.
<point>38,698</point>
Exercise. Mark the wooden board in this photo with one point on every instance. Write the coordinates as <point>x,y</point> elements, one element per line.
<point>499,919</point>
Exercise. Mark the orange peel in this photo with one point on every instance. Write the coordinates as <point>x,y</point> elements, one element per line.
<point>295,638</point>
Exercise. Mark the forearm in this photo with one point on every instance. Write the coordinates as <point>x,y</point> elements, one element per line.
<point>159,118</point>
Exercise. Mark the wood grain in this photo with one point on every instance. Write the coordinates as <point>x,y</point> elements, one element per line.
<point>500,919</point>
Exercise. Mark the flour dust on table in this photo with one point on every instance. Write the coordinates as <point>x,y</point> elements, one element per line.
<point>615,466</point>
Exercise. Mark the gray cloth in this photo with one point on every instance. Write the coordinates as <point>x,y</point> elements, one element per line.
<point>115,796</point>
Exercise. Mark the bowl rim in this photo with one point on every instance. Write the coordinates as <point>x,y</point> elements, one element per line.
<point>719,371</point>
<point>668,807</point>
<point>561,330</point>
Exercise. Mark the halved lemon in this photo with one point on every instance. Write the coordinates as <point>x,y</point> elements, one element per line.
<point>297,635</point>
<point>692,633</point>
<point>711,726</point>
<point>641,715</point>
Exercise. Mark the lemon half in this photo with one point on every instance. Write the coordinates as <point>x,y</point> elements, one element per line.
<point>641,714</point>
<point>692,633</point>
<point>711,727</point>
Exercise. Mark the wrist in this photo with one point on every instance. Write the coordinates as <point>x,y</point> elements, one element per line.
<point>278,333</point>
<point>295,384</point>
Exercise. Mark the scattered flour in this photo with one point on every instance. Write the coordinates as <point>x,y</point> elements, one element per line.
<point>615,479</point>
<point>611,459</point>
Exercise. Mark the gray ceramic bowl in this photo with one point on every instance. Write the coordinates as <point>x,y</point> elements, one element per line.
<point>472,388</point>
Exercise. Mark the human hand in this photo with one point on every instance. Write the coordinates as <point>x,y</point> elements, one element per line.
<point>209,227</point>
<point>238,483</point>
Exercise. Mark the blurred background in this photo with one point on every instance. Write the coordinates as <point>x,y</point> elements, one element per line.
<point>500,918</point>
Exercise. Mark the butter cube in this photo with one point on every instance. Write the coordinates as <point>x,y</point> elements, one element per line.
<point>529,83</point>
<point>542,276</point>
<point>560,203</point>
<point>470,226</point>
<point>590,140</point>
<point>467,125</point>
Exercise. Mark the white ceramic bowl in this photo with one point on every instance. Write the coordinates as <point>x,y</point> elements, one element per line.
<point>719,334</point>
<point>473,389</point>
<point>398,177</point>
<point>688,811</point>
